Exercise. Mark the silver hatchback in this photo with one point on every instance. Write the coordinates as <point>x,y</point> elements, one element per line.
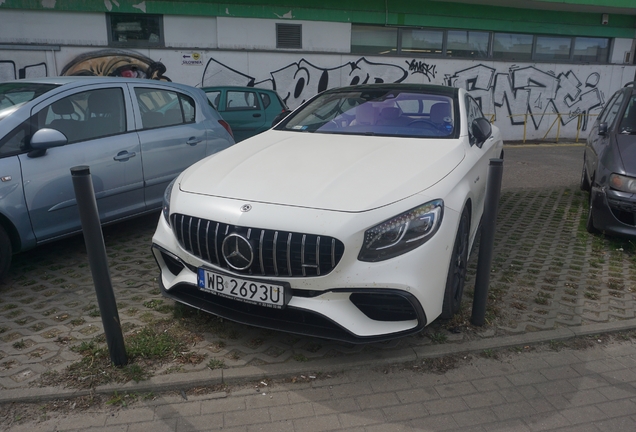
<point>135,135</point>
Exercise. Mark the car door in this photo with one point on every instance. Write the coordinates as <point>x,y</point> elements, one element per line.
<point>171,138</point>
<point>95,120</point>
<point>244,112</point>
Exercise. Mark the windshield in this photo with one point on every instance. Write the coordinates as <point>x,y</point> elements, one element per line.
<point>386,112</point>
<point>14,94</point>
<point>628,122</point>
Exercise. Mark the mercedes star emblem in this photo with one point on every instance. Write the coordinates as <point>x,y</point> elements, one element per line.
<point>237,252</point>
<point>246,208</point>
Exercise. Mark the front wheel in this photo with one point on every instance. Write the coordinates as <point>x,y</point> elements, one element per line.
<point>5,252</point>
<point>585,183</point>
<point>589,225</point>
<point>457,269</point>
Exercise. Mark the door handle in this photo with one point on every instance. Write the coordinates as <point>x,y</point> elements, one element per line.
<point>256,115</point>
<point>193,141</point>
<point>123,156</point>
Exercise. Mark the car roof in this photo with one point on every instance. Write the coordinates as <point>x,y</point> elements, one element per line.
<point>419,88</point>
<point>70,81</point>
<point>217,88</point>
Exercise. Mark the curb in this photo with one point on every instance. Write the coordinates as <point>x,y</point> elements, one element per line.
<point>177,381</point>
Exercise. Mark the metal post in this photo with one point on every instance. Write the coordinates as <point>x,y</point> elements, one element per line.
<point>94,239</point>
<point>486,241</point>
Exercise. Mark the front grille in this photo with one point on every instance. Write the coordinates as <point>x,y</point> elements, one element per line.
<point>624,211</point>
<point>276,253</point>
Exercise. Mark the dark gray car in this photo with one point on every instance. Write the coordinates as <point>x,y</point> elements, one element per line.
<point>135,135</point>
<point>609,168</point>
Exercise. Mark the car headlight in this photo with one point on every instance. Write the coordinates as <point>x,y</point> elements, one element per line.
<point>166,201</point>
<point>623,183</point>
<point>402,233</point>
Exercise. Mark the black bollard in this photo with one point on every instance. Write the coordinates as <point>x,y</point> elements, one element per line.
<point>486,241</point>
<point>94,239</point>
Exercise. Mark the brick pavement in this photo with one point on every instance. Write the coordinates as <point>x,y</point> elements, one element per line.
<point>550,281</point>
<point>592,389</point>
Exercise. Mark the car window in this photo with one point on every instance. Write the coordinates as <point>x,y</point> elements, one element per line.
<point>214,97</point>
<point>265,99</point>
<point>160,108</point>
<point>14,93</point>
<point>86,115</point>
<point>376,112</point>
<point>241,100</point>
<point>15,141</point>
<point>628,122</point>
<point>612,111</point>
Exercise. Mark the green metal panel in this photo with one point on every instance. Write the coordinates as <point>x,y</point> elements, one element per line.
<point>424,13</point>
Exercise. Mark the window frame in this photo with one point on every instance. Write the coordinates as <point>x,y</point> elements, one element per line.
<point>135,43</point>
<point>399,50</point>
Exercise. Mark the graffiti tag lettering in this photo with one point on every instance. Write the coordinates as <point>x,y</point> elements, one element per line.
<point>420,67</point>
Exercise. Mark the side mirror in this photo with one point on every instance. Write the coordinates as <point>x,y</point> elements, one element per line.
<point>602,129</point>
<point>48,138</point>
<point>280,117</point>
<point>481,129</point>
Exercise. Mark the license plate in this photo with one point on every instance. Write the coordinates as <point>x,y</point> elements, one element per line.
<point>245,290</point>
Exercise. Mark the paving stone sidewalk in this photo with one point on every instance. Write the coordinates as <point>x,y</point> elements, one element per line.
<point>550,278</point>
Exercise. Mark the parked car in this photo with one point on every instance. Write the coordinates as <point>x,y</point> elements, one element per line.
<point>609,167</point>
<point>248,110</point>
<point>352,219</point>
<point>119,127</point>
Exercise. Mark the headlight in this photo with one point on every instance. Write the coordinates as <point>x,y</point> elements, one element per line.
<point>166,201</point>
<point>623,183</point>
<point>402,233</point>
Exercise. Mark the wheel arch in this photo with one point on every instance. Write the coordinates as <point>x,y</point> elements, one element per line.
<point>12,232</point>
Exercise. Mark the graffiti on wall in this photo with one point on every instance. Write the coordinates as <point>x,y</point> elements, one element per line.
<point>9,71</point>
<point>421,67</point>
<point>532,92</point>
<point>117,63</point>
<point>297,82</point>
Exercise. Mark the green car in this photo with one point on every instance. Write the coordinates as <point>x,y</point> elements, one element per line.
<point>248,110</point>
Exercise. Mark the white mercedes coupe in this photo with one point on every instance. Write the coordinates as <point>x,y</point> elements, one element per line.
<point>351,219</point>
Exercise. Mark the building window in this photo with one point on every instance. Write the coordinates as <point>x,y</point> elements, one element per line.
<point>511,46</point>
<point>289,36</point>
<point>468,44</point>
<point>592,50</point>
<point>373,40</point>
<point>422,41</point>
<point>379,40</point>
<point>135,30</point>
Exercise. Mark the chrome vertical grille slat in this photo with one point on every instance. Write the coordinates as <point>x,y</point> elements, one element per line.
<point>276,253</point>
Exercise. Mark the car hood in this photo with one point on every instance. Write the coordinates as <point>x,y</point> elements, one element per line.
<point>330,172</point>
<point>627,150</point>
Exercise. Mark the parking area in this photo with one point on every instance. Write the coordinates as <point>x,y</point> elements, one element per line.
<point>548,273</point>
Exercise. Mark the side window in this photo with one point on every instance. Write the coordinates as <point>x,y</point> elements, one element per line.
<point>628,122</point>
<point>265,99</point>
<point>15,141</point>
<point>612,111</point>
<point>241,100</point>
<point>161,108</point>
<point>214,97</point>
<point>86,115</point>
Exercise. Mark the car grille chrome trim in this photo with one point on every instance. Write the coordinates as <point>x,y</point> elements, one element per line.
<point>276,253</point>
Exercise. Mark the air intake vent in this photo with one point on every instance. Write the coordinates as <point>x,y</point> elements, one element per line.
<point>289,36</point>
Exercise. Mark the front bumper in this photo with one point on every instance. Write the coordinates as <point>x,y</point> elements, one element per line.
<point>355,302</point>
<point>614,212</point>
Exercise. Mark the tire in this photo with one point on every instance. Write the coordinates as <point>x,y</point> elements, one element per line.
<point>457,269</point>
<point>585,183</point>
<point>589,225</point>
<point>5,252</point>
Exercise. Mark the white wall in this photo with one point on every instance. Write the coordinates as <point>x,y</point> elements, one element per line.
<point>43,27</point>
<point>260,34</point>
<point>190,31</point>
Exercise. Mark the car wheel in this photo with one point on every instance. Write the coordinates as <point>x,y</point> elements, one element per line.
<point>589,225</point>
<point>457,269</point>
<point>585,183</point>
<point>5,252</point>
